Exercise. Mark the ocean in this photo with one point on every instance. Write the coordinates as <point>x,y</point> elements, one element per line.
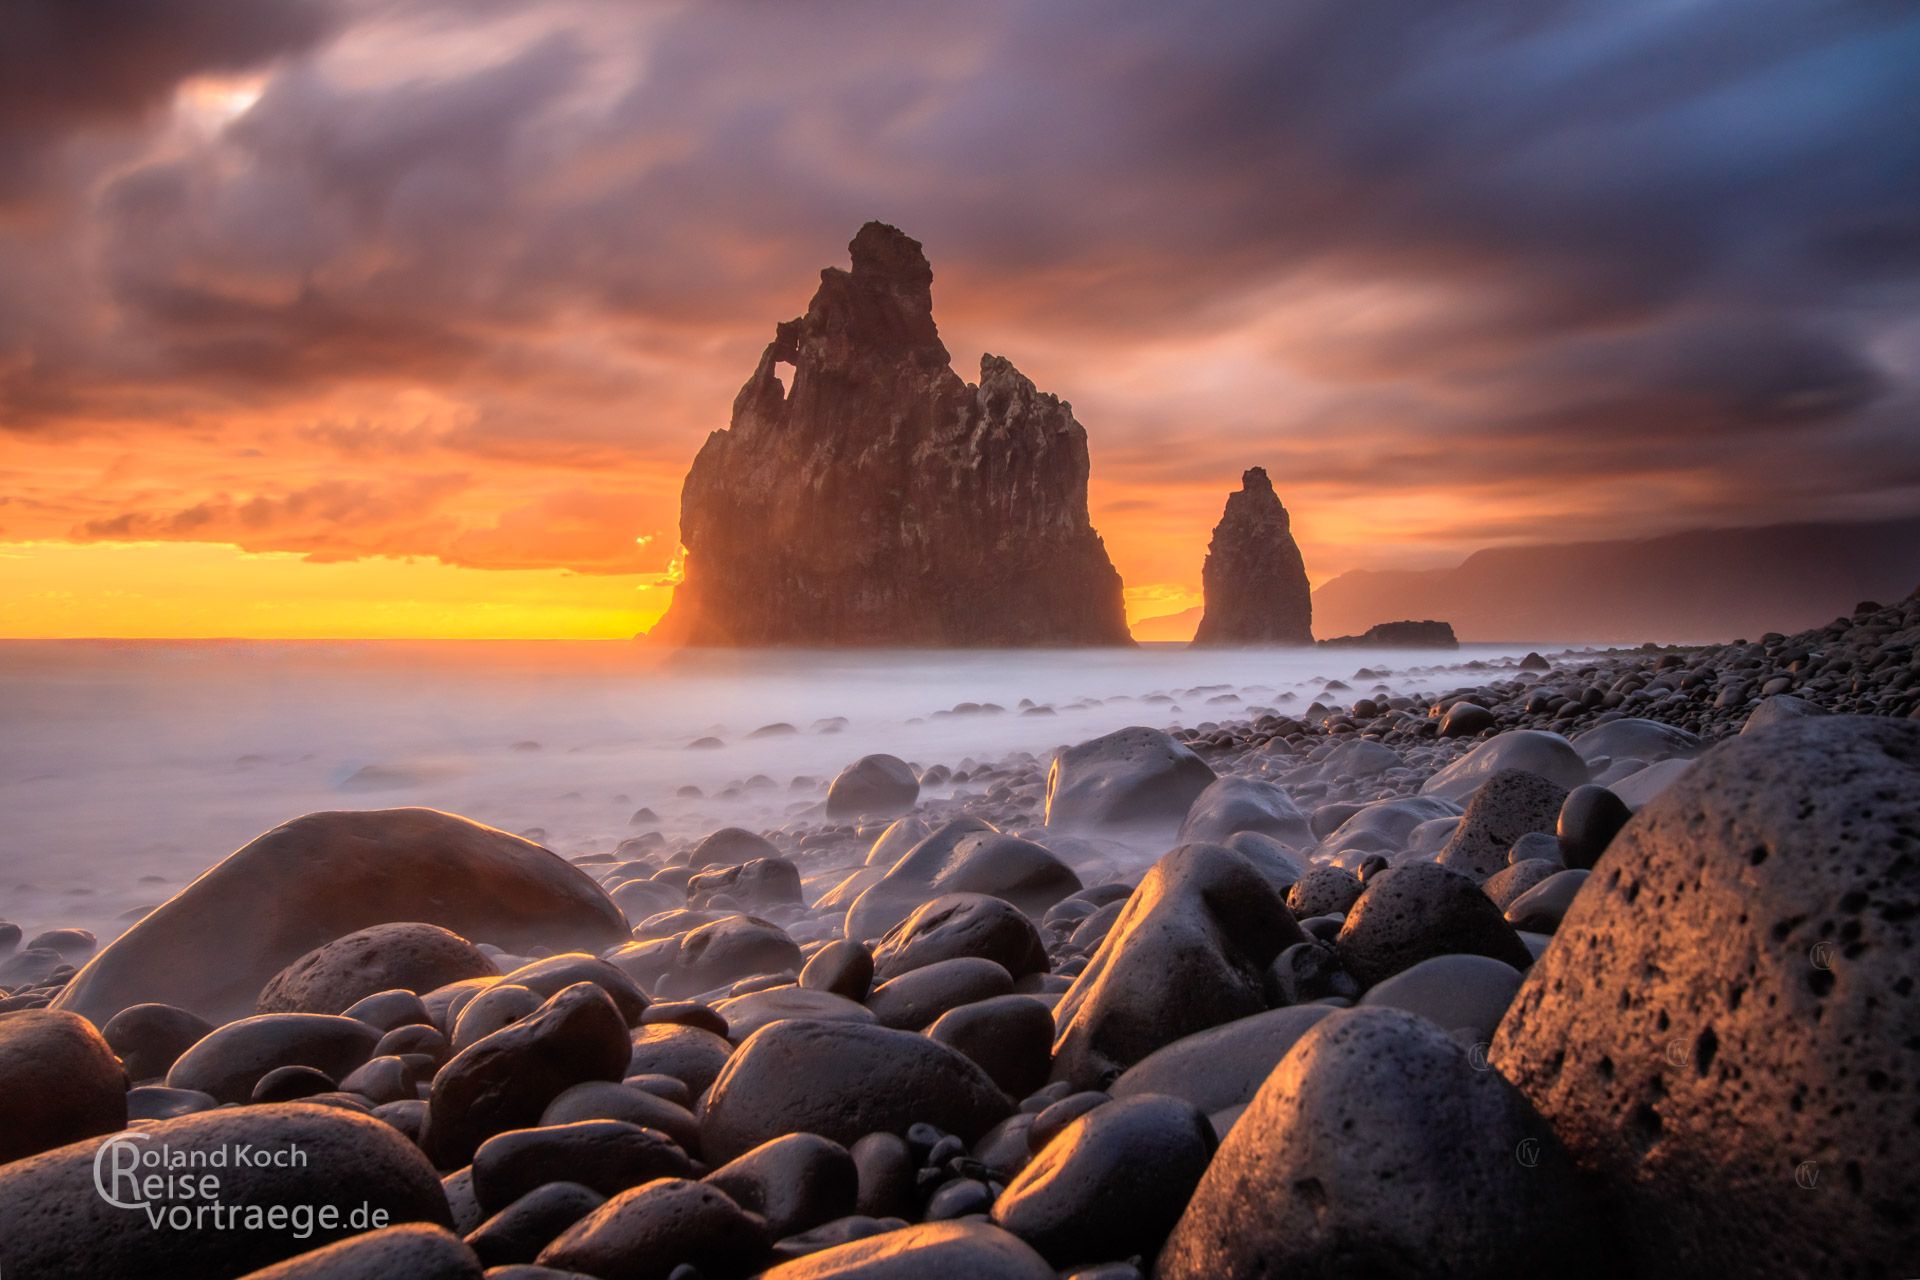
<point>129,767</point>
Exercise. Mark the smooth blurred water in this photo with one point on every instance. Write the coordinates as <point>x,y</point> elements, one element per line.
<point>127,768</point>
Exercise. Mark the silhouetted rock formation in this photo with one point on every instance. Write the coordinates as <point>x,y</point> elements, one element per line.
<point>883,501</point>
<point>1254,580</point>
<point>1401,635</point>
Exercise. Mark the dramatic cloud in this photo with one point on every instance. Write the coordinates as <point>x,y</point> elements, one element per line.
<point>473,281</point>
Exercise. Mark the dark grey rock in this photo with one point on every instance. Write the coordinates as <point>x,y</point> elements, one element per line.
<point>843,1081</point>
<point>873,786</point>
<point>1112,1183</point>
<point>1711,1029</point>
<point>59,1082</point>
<point>1509,804</point>
<point>918,996</point>
<point>517,1233</point>
<point>956,925</point>
<point>1223,1066</point>
<point>1130,777</point>
<point>651,1230</point>
<point>229,1062</point>
<point>1465,996</point>
<point>607,1155</point>
<point>1254,581</point>
<point>1010,1037</point>
<point>1235,804</point>
<point>1381,1147</point>
<point>796,1183</point>
<point>416,1250</point>
<point>506,1080</point>
<point>1541,908</point>
<point>1417,911</point>
<point>1189,952</point>
<point>407,956</point>
<point>842,968</point>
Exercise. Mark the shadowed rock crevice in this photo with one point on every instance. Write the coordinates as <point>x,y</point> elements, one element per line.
<point>879,499</point>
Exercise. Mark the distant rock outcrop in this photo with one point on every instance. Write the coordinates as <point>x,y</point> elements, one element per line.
<point>1254,579</point>
<point>880,500</point>
<point>1401,635</point>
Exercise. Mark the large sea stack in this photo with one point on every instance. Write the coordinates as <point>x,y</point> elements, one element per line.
<point>1254,579</point>
<point>883,501</point>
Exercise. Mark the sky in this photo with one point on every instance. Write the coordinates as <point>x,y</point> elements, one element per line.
<point>406,317</point>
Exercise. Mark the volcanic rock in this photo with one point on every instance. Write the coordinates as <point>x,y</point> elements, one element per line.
<point>1254,579</point>
<point>1723,1028</point>
<point>1427,634</point>
<point>1187,953</point>
<point>59,1082</point>
<point>880,500</point>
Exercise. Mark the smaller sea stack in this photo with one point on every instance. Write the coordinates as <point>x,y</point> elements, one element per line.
<point>1254,579</point>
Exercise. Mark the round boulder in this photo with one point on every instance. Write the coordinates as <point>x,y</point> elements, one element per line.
<point>873,786</point>
<point>58,1223</point>
<point>1534,750</point>
<point>975,1250</point>
<point>407,956</point>
<point>1379,1146</point>
<point>1130,777</point>
<point>961,924</point>
<point>59,1082</point>
<point>1715,1029</point>
<point>1419,910</point>
<point>1188,952</point>
<point>843,1080</point>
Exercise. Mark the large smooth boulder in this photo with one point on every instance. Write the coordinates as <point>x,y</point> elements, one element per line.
<point>914,999</point>
<point>325,875</point>
<point>506,1080</point>
<point>1187,953</point>
<point>1508,805</point>
<point>1419,910</point>
<point>1533,750</point>
<point>406,956</point>
<point>1231,805</point>
<point>1643,786</point>
<point>59,1082</point>
<point>843,1080</point>
<point>1779,707</point>
<point>961,924</point>
<point>1010,1037</point>
<point>606,1155</point>
<point>873,786</point>
<point>58,1223</point>
<point>1718,1029</point>
<point>1222,1067</point>
<point>730,845</point>
<point>1132,777</point>
<point>692,1055</point>
<point>1112,1183</point>
<point>796,1183</point>
<point>975,1250</point>
<point>1380,1147</point>
<point>151,1037</point>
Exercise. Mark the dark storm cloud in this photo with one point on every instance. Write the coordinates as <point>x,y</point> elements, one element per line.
<point>1491,241</point>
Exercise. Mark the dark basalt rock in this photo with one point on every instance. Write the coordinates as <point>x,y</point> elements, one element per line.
<point>1508,805</point>
<point>415,1251</point>
<point>975,1250</point>
<point>873,786</point>
<point>404,956</point>
<point>506,1080</point>
<point>1131,777</point>
<point>1112,1183</point>
<point>520,1231</point>
<point>882,501</point>
<point>1010,1037</point>
<point>1188,952</point>
<point>1254,579</point>
<point>961,924</point>
<point>1419,910</point>
<point>229,1062</point>
<point>325,875</point>
<point>1723,1028</point>
<point>58,1224</point>
<point>59,1082</point>
<point>650,1231</point>
<point>548,977</point>
<point>796,1183</point>
<point>606,1155</point>
<point>843,1081</point>
<point>1224,1066</point>
<point>747,1014</point>
<point>726,951</point>
<point>918,996</point>
<point>691,1055</point>
<point>1380,1147</point>
<point>606,1100</point>
<point>1232,806</point>
<point>841,968</point>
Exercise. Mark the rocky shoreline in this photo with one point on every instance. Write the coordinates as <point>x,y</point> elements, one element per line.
<point>1604,961</point>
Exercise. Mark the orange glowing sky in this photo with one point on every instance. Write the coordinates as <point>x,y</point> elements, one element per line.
<point>353,318</point>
